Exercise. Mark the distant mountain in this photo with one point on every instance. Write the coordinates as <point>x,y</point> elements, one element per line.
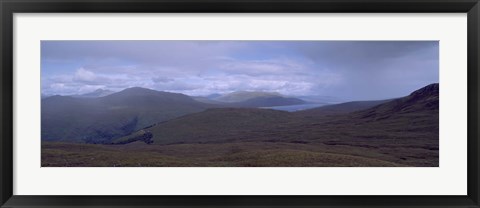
<point>96,93</point>
<point>241,96</point>
<point>207,100</point>
<point>252,99</point>
<point>104,118</point>
<point>146,97</point>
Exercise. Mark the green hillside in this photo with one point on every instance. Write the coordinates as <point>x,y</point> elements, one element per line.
<point>216,125</point>
<point>96,120</point>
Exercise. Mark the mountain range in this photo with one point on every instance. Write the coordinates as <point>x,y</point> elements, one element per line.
<point>178,118</point>
<point>107,115</point>
<point>172,129</point>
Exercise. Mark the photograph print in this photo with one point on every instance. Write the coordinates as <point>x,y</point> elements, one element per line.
<point>226,103</point>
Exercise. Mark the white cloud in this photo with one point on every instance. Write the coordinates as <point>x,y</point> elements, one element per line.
<point>84,75</point>
<point>285,76</point>
<point>280,66</point>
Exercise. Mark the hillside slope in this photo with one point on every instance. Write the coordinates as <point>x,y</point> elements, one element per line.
<point>403,130</point>
<point>215,125</point>
<point>101,119</point>
<point>424,101</point>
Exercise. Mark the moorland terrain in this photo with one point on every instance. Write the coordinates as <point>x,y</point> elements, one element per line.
<point>148,128</point>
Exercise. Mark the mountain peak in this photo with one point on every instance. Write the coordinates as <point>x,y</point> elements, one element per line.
<point>431,89</point>
<point>97,93</point>
<point>140,94</point>
<point>137,91</point>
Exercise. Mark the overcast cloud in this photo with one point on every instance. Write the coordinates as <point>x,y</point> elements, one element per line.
<point>349,70</point>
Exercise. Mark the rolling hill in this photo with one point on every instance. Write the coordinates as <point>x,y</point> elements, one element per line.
<point>403,130</point>
<point>214,125</point>
<point>101,119</point>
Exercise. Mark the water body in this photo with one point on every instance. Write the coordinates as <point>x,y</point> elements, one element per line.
<point>292,108</point>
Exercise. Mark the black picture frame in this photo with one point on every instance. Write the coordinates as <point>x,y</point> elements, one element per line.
<point>10,7</point>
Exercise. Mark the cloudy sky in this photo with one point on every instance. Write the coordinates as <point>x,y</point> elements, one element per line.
<point>349,70</point>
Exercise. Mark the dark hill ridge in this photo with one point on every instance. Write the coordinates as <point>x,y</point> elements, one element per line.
<point>102,119</point>
<point>429,90</point>
<point>422,101</point>
<point>424,98</point>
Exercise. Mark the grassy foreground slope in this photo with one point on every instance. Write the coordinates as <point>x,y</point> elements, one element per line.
<point>244,154</point>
